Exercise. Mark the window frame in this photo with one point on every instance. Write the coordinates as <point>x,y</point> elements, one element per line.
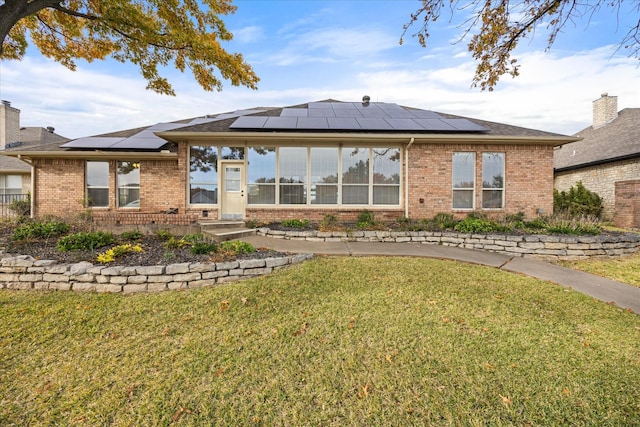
<point>97,187</point>
<point>214,185</point>
<point>494,189</point>
<point>471,188</point>
<point>119,186</point>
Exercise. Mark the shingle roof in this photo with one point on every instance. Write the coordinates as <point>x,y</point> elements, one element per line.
<point>618,139</point>
<point>31,138</point>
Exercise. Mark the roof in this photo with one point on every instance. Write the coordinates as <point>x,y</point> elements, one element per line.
<point>326,119</point>
<point>617,140</point>
<point>30,138</point>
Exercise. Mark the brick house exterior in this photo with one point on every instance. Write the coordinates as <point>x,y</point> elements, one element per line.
<point>303,161</point>
<point>607,154</point>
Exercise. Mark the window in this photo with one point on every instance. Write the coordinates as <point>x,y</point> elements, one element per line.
<point>492,180</point>
<point>261,175</point>
<point>355,176</point>
<point>129,184</point>
<point>97,184</point>
<point>386,176</point>
<point>203,177</point>
<point>324,176</point>
<point>463,180</point>
<point>10,188</point>
<point>292,167</point>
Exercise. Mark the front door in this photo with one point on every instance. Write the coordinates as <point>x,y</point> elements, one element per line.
<point>232,190</point>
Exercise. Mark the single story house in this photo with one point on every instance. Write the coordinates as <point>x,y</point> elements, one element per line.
<point>301,161</point>
<point>15,174</point>
<point>606,160</point>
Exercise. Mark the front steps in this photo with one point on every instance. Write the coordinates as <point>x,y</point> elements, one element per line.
<point>225,230</point>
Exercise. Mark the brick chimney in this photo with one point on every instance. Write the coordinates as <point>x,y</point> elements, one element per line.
<point>9,124</point>
<point>605,109</point>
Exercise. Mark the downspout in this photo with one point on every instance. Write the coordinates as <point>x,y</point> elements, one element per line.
<point>406,178</point>
<point>32,185</point>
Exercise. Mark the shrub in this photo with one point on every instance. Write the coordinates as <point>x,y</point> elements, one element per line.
<point>118,251</point>
<point>194,238</point>
<point>566,224</point>
<point>175,243</point>
<point>85,241</point>
<point>478,225</point>
<point>444,221</point>
<point>37,229</point>
<point>200,248</point>
<point>295,223</point>
<point>237,246</point>
<point>22,207</point>
<point>577,202</point>
<point>163,235</point>
<point>366,219</point>
<point>131,235</point>
<point>329,222</point>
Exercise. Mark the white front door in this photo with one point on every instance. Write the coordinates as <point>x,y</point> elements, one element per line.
<point>233,182</point>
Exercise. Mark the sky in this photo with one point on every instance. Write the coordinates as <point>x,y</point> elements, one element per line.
<point>313,50</point>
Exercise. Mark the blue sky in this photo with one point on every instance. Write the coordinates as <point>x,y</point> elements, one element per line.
<point>313,50</point>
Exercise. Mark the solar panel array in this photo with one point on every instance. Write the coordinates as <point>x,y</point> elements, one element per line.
<point>355,116</point>
<point>146,139</point>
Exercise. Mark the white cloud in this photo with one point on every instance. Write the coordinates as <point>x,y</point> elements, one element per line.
<point>248,34</point>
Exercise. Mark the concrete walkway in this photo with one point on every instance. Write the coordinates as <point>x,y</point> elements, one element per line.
<point>609,291</point>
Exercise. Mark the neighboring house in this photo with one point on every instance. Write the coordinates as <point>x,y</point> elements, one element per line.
<point>303,161</point>
<point>607,160</point>
<point>15,175</point>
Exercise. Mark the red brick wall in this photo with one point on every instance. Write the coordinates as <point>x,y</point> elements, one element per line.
<point>528,178</point>
<point>162,186</point>
<point>627,207</point>
<point>59,185</point>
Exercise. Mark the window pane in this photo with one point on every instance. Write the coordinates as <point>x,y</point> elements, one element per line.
<point>13,182</point>
<point>386,166</point>
<point>355,194</point>
<point>322,194</point>
<point>232,153</point>
<point>233,182</point>
<point>262,194</point>
<point>129,184</point>
<point>463,199</point>
<point>355,166</point>
<point>203,176</point>
<point>292,163</point>
<point>324,165</point>
<point>492,170</point>
<point>261,175</point>
<point>97,184</point>
<point>386,194</point>
<point>492,199</point>
<point>463,170</point>
<point>98,174</point>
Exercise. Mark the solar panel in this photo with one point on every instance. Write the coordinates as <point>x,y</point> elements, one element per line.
<point>404,124</point>
<point>321,112</point>
<point>372,112</point>
<point>312,123</point>
<point>92,142</point>
<point>374,124</point>
<point>320,105</point>
<point>294,112</point>
<point>281,123</point>
<point>465,125</point>
<point>434,124</point>
<point>424,114</point>
<point>343,106</point>
<point>249,122</point>
<point>343,123</point>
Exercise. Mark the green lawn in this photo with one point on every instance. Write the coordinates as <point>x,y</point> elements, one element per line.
<point>624,269</point>
<point>332,341</point>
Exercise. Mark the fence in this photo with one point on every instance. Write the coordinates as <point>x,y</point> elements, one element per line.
<point>5,204</point>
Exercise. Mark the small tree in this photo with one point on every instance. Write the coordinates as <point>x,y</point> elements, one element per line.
<point>577,202</point>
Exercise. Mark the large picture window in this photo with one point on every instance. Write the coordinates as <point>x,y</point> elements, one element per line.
<point>203,176</point>
<point>492,180</point>
<point>463,180</point>
<point>386,176</point>
<point>97,184</point>
<point>292,167</point>
<point>129,184</point>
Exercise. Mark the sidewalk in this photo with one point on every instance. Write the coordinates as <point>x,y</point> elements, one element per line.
<point>609,291</point>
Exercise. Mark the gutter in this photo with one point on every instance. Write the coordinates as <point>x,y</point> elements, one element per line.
<point>27,156</point>
<point>597,162</point>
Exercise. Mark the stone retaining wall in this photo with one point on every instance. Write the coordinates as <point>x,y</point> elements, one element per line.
<point>550,247</point>
<point>24,272</point>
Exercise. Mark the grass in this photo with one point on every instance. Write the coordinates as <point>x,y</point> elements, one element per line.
<point>333,341</point>
<point>623,269</point>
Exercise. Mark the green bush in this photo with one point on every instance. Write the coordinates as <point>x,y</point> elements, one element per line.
<point>366,219</point>
<point>22,207</point>
<point>85,241</point>
<point>329,222</point>
<point>176,243</point>
<point>200,248</point>
<point>444,221</point>
<point>163,235</point>
<point>37,229</point>
<point>295,223</point>
<point>478,225</point>
<point>133,235</point>
<point>566,224</point>
<point>577,202</point>
<point>194,238</point>
<point>237,246</point>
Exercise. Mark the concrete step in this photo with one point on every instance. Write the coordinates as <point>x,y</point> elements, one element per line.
<point>223,234</point>
<point>217,224</point>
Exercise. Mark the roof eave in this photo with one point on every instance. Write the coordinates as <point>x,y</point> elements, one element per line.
<point>431,138</point>
<point>90,155</point>
<point>597,162</point>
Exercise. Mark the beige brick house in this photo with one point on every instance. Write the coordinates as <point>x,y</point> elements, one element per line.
<point>15,174</point>
<point>607,160</point>
<point>302,161</point>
